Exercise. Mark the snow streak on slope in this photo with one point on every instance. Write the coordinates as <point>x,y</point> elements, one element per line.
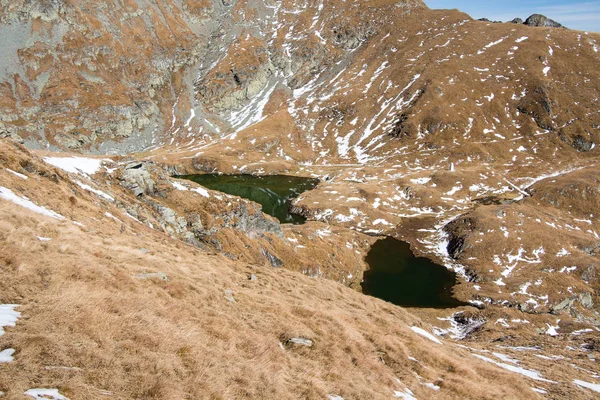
<point>9,195</point>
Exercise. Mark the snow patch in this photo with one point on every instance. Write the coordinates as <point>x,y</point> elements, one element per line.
<point>592,386</point>
<point>407,394</point>
<point>535,375</point>
<point>179,186</point>
<point>6,355</point>
<point>8,316</point>
<point>432,386</point>
<point>75,165</point>
<point>381,222</point>
<point>45,394</point>
<point>95,191</point>
<point>425,334</point>
<point>546,70</point>
<point>202,191</point>
<point>420,181</point>
<point>552,330</point>
<point>17,174</point>
<point>8,194</point>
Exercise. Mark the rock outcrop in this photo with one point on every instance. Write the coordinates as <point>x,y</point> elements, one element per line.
<point>542,20</point>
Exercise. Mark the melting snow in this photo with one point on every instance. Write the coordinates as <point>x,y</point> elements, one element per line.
<point>202,191</point>
<point>407,394</point>
<point>459,330</point>
<point>179,186</point>
<point>546,70</point>
<point>506,358</point>
<point>528,373</point>
<point>592,386</point>
<point>253,111</point>
<point>45,394</point>
<point>8,316</point>
<point>17,174</point>
<point>487,46</point>
<point>192,115</point>
<point>95,191</point>
<point>426,334</point>
<point>6,355</point>
<point>75,165</point>
<point>454,190</point>
<point>568,270</point>
<point>432,386</point>
<point>515,259</point>
<point>381,222</point>
<point>552,330</point>
<point>8,194</point>
<point>420,181</point>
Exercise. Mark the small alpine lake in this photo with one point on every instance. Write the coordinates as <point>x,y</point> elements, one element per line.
<point>273,192</point>
<point>397,276</point>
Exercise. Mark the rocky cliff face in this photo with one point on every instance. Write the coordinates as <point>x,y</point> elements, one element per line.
<point>104,76</point>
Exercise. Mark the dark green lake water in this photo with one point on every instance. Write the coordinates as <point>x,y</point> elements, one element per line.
<point>273,192</point>
<point>397,276</point>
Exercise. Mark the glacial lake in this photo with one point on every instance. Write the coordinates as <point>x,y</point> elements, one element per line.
<point>273,192</point>
<point>397,276</point>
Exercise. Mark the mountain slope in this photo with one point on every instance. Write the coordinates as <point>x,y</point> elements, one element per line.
<point>110,307</point>
<point>475,142</point>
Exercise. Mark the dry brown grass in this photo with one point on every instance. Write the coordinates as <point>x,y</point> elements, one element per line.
<point>91,328</point>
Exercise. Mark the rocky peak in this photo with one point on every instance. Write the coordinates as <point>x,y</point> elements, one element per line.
<point>542,20</point>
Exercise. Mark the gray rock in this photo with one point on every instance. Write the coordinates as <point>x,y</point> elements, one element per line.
<point>517,21</point>
<point>586,300</point>
<point>169,219</point>
<point>589,275</point>
<point>136,178</point>
<point>542,20</point>
<point>459,232</point>
<point>248,218</point>
<point>195,224</point>
<point>5,132</point>
<point>591,249</point>
<point>252,277</point>
<point>273,260</point>
<point>564,305</point>
<point>488,20</point>
<point>582,144</point>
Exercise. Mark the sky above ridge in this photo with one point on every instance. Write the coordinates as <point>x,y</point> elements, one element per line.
<point>575,14</point>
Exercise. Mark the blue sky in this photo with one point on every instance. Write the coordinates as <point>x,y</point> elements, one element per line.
<point>575,14</point>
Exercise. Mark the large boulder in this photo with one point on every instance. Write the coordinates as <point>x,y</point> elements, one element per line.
<point>136,178</point>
